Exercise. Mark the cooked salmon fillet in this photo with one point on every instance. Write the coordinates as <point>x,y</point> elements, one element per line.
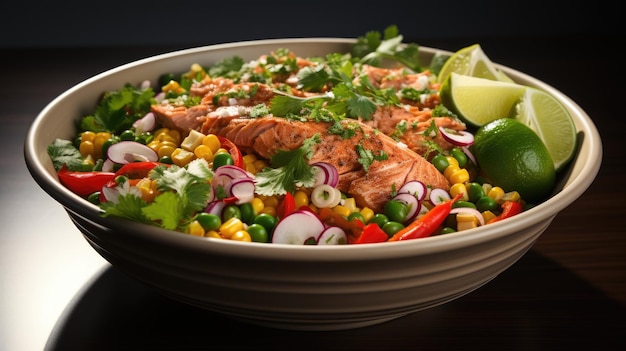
<point>372,189</point>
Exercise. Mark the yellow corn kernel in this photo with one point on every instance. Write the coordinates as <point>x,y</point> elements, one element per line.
<point>342,210</point>
<point>257,205</point>
<point>260,164</point>
<point>241,235</point>
<point>367,213</point>
<point>511,196</point>
<point>194,70</point>
<point>230,227</point>
<point>212,141</point>
<point>192,141</point>
<point>488,215</point>
<point>450,170</point>
<point>87,136</point>
<point>249,158</point>
<point>459,177</point>
<point>165,149</point>
<point>154,145</point>
<point>270,210</point>
<point>86,148</point>
<point>160,133</point>
<point>250,168</point>
<point>88,160</point>
<point>195,228</point>
<point>213,234</point>
<point>173,85</point>
<point>270,201</point>
<point>487,187</point>
<point>465,225</point>
<point>452,161</point>
<point>496,193</point>
<point>350,204</point>
<point>203,151</point>
<point>182,157</point>
<point>459,188</point>
<point>221,150</point>
<point>301,198</point>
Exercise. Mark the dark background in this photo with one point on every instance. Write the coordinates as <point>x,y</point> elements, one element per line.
<point>57,24</point>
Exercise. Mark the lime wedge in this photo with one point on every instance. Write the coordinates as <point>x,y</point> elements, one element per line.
<point>471,61</point>
<point>544,114</point>
<point>478,101</point>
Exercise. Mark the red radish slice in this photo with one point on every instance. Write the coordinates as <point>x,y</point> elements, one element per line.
<point>298,228</point>
<point>145,124</point>
<point>412,203</point>
<point>243,190</point>
<point>130,151</point>
<point>332,236</point>
<point>457,137</point>
<point>233,172</point>
<point>470,210</point>
<point>215,208</point>
<point>326,174</point>
<point>415,188</point>
<point>438,196</point>
<point>108,165</point>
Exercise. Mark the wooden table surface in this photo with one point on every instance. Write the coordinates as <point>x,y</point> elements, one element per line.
<point>568,291</point>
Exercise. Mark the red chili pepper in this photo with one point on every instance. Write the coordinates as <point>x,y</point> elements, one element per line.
<point>371,233</point>
<point>428,223</point>
<point>84,183</point>
<point>233,150</point>
<point>509,209</point>
<point>353,228</point>
<point>286,206</point>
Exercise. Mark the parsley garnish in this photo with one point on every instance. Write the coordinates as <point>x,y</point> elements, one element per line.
<point>367,157</point>
<point>289,168</point>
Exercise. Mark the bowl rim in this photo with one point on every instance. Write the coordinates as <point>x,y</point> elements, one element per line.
<point>560,200</point>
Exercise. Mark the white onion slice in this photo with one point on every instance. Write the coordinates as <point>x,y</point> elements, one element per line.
<point>131,151</point>
<point>438,196</point>
<point>297,228</point>
<point>415,188</point>
<point>332,236</point>
<point>470,210</point>
<point>325,195</point>
<point>457,137</point>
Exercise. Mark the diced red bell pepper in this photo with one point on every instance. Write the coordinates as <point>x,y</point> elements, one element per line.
<point>286,206</point>
<point>371,233</point>
<point>509,209</point>
<point>233,150</point>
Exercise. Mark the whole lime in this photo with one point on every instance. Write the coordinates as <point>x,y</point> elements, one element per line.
<point>512,156</point>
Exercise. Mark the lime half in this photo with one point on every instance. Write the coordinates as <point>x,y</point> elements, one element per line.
<point>478,101</point>
<point>544,114</point>
<point>471,61</point>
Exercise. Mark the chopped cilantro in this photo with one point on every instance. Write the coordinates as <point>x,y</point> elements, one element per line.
<point>367,157</point>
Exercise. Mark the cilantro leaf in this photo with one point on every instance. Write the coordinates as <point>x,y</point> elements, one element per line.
<point>288,168</point>
<point>127,206</point>
<point>166,209</point>
<point>64,152</point>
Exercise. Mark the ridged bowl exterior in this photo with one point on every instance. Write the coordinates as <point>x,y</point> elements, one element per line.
<point>297,287</point>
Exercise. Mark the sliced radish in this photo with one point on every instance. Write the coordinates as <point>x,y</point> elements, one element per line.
<point>326,174</point>
<point>415,188</point>
<point>146,123</point>
<point>325,195</point>
<point>411,202</point>
<point>298,228</point>
<point>469,154</point>
<point>332,236</point>
<point>438,196</point>
<point>131,151</point>
<point>243,190</point>
<point>469,210</point>
<point>233,172</point>
<point>215,208</point>
<point>457,137</point>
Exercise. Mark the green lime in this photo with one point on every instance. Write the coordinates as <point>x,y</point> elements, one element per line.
<point>471,61</point>
<point>544,114</point>
<point>478,101</point>
<point>513,157</point>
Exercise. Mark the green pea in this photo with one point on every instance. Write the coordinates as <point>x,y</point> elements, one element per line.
<point>395,211</point>
<point>127,135</point>
<point>209,221</point>
<point>486,203</point>
<point>258,233</point>
<point>462,203</point>
<point>222,159</point>
<point>475,191</point>
<point>392,227</point>
<point>107,144</point>
<point>459,155</point>
<point>447,230</point>
<point>440,162</point>
<point>266,220</point>
<point>379,219</point>
<point>166,159</point>
<point>94,198</point>
<point>165,78</point>
<point>247,213</point>
<point>356,215</point>
<point>231,211</point>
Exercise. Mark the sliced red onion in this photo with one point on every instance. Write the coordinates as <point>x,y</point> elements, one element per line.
<point>233,172</point>
<point>415,188</point>
<point>332,236</point>
<point>412,203</point>
<point>469,154</point>
<point>326,174</point>
<point>457,137</point>
<point>145,124</point>
<point>438,196</point>
<point>108,165</point>
<point>243,190</point>
<point>215,208</point>
<point>470,210</point>
<point>130,151</point>
<point>297,228</point>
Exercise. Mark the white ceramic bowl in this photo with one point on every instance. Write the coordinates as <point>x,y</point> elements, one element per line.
<point>297,287</point>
